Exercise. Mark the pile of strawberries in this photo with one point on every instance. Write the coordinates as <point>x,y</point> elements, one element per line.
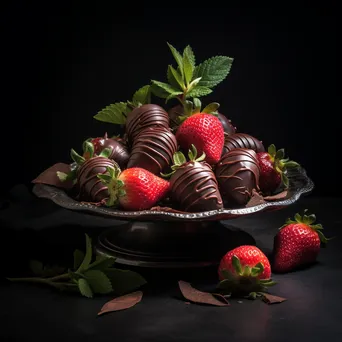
<point>201,164</point>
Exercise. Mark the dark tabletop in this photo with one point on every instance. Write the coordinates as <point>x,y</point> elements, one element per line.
<point>33,228</point>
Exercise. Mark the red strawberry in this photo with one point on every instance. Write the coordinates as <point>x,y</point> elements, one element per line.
<point>273,168</point>
<point>245,270</point>
<point>297,243</point>
<point>134,188</point>
<point>205,131</point>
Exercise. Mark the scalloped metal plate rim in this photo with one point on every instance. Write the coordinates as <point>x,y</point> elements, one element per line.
<point>299,184</point>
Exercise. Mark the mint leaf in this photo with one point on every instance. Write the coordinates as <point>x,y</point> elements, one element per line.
<point>178,57</point>
<point>173,95</point>
<point>98,282</point>
<point>142,95</point>
<point>124,281</point>
<point>193,84</point>
<point>177,77</point>
<point>114,113</point>
<point>211,107</point>
<point>213,71</point>
<point>188,64</point>
<point>36,267</point>
<point>188,52</point>
<point>84,288</point>
<point>162,89</point>
<point>199,91</point>
<point>102,263</point>
<point>78,258</point>
<point>171,78</point>
<point>88,256</point>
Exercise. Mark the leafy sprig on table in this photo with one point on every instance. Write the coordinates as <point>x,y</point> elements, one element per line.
<point>89,276</point>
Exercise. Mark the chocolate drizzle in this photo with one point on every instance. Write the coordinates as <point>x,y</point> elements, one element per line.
<point>227,124</point>
<point>143,117</point>
<point>119,153</point>
<point>238,174</point>
<point>153,149</point>
<point>90,187</point>
<point>241,140</point>
<point>194,188</point>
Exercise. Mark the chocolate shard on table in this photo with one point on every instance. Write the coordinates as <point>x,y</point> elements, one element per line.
<point>153,149</point>
<point>194,187</point>
<point>145,116</point>
<point>238,174</point>
<point>242,140</point>
<point>119,150</point>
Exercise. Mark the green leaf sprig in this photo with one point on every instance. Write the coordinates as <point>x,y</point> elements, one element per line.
<point>116,113</point>
<point>189,80</point>
<point>89,276</point>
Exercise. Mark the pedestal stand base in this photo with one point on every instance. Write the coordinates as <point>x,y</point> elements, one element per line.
<point>170,244</point>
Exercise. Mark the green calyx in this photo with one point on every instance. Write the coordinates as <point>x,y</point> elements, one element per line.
<point>194,107</point>
<point>88,153</point>
<point>281,164</point>
<point>179,159</point>
<point>188,80</point>
<point>309,221</point>
<point>114,184</point>
<point>244,281</point>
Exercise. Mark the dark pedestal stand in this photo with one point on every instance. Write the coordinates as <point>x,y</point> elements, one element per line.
<point>170,244</point>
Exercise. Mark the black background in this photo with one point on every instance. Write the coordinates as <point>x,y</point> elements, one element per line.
<point>64,62</point>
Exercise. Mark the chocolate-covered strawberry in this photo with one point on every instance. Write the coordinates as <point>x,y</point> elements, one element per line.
<point>273,167</point>
<point>193,184</point>
<point>241,140</point>
<point>228,127</point>
<point>145,116</point>
<point>174,114</point>
<point>85,173</point>
<point>153,149</point>
<point>238,174</point>
<point>119,150</point>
